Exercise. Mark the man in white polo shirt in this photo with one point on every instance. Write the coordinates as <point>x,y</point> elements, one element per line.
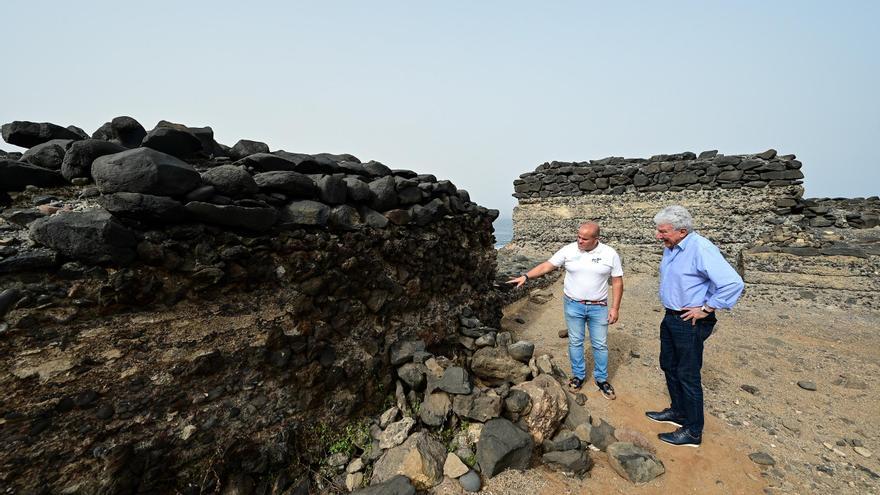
<point>588,266</point>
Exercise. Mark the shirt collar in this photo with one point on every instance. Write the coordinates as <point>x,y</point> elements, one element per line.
<point>685,242</point>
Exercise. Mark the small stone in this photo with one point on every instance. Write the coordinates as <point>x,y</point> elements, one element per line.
<point>388,416</point>
<point>521,351</point>
<point>338,460</point>
<point>353,480</point>
<point>487,340</point>
<point>355,466</point>
<point>862,451</point>
<point>563,333</point>
<point>807,385</point>
<point>85,398</point>
<point>188,432</point>
<point>750,389</point>
<point>455,380</point>
<point>825,469</point>
<point>601,435</point>
<point>454,467</point>
<point>105,411</point>
<point>470,482</point>
<point>834,449</point>
<point>762,458</point>
<point>519,320</point>
<point>396,433</point>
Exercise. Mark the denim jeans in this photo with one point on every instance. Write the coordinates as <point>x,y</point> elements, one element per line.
<point>681,358</point>
<point>579,316</point>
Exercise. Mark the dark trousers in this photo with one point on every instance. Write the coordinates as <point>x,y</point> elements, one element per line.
<point>681,358</point>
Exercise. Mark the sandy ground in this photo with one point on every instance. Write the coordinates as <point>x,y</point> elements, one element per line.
<point>766,344</point>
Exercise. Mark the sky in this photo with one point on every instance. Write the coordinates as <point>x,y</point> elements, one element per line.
<point>476,92</point>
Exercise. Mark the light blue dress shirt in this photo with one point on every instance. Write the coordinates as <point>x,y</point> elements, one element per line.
<point>694,273</point>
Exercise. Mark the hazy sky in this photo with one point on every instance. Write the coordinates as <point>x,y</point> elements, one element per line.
<point>474,91</point>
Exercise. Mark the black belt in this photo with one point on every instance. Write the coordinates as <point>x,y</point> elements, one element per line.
<point>678,312</point>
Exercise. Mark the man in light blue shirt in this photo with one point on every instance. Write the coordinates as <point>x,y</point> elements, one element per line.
<point>695,280</point>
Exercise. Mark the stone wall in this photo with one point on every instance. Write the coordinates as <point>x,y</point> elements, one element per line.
<point>196,317</point>
<point>830,266</point>
<point>857,213</point>
<point>734,199</point>
<point>732,218</point>
<point>660,173</point>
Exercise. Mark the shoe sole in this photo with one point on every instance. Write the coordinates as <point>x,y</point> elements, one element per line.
<point>608,396</point>
<point>669,422</point>
<point>694,445</point>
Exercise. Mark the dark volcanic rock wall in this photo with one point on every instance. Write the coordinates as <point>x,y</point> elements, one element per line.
<point>186,323</point>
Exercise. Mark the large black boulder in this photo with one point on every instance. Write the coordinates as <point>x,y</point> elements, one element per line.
<point>287,182</point>
<point>246,147</point>
<point>8,297</point>
<point>376,169</point>
<point>79,157</point>
<point>384,193</point>
<point>143,207</point>
<point>29,260</point>
<point>91,236</point>
<point>332,189</point>
<point>29,134</point>
<point>47,155</point>
<point>357,190</point>
<point>15,176</point>
<point>144,170</point>
<point>502,445</point>
<point>266,162</point>
<point>230,180</point>
<point>123,130</point>
<point>78,131</point>
<point>247,214</point>
<point>205,135</point>
<point>343,157</point>
<point>173,139</point>
<point>373,218</point>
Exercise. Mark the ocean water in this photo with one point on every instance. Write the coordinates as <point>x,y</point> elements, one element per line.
<point>503,231</point>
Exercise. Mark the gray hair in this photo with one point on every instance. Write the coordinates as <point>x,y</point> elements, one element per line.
<point>675,215</point>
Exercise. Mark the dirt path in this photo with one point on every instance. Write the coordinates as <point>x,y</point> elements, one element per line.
<point>764,344</point>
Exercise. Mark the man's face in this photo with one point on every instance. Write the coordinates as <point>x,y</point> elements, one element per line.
<point>669,235</point>
<point>587,239</point>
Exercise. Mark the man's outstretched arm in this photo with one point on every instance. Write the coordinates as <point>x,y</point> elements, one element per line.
<point>542,269</point>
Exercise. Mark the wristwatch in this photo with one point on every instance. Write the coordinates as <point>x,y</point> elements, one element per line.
<point>706,309</point>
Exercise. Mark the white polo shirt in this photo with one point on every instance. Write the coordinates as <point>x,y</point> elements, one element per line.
<point>587,272</point>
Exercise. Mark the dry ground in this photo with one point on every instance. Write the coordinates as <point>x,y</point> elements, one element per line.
<point>762,343</point>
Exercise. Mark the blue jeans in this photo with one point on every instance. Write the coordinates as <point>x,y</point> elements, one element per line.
<point>681,358</point>
<point>578,316</point>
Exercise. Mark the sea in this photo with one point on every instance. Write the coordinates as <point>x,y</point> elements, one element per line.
<point>503,231</point>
